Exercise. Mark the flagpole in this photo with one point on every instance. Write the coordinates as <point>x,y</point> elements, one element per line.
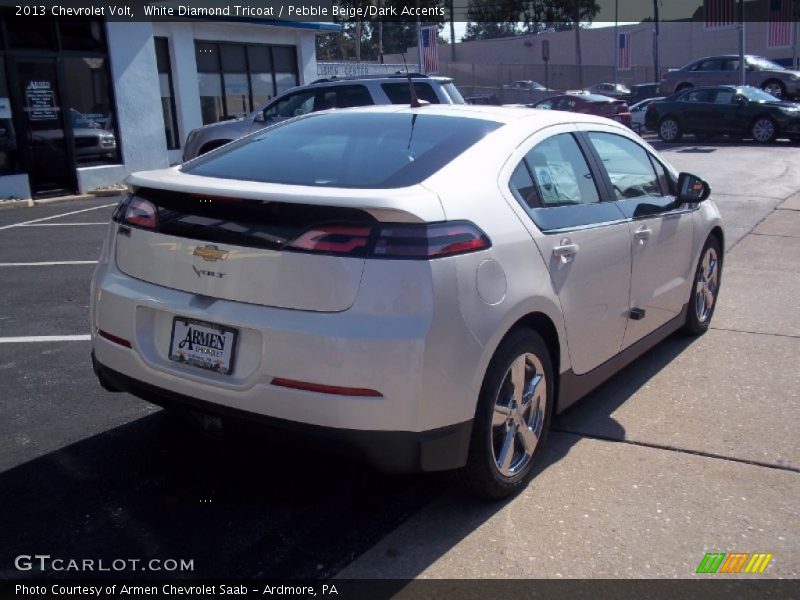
<point>419,41</point>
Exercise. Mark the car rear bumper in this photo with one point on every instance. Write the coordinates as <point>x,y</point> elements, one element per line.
<point>439,449</point>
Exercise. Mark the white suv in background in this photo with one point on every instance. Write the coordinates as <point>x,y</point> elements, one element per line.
<point>323,94</point>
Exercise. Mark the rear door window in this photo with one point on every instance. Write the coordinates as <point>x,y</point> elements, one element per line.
<point>400,93</point>
<point>354,95</point>
<point>561,173</point>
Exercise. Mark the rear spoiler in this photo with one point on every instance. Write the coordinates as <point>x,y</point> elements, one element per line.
<point>401,205</point>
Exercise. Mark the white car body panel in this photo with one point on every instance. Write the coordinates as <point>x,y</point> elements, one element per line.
<point>421,332</point>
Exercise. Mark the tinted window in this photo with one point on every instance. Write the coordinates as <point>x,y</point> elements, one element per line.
<point>562,174</point>
<point>723,97</point>
<point>354,95</point>
<point>347,150</point>
<point>291,105</point>
<point>399,93</point>
<point>698,96</point>
<point>523,186</point>
<point>233,59</point>
<point>730,64</point>
<point>627,164</point>
<point>709,64</point>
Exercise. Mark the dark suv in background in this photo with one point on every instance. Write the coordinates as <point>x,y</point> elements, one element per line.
<point>323,94</point>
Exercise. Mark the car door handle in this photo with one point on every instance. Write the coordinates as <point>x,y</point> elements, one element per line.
<point>643,234</point>
<point>566,250</point>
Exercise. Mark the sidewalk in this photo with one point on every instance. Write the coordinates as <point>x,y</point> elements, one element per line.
<point>692,449</point>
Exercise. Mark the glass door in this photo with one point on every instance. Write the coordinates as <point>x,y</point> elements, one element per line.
<point>50,164</point>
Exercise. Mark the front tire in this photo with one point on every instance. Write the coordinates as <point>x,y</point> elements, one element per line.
<point>705,288</point>
<point>512,417</point>
<point>774,87</point>
<point>669,130</point>
<point>764,130</point>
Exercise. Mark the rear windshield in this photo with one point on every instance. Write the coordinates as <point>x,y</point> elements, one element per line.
<point>347,149</point>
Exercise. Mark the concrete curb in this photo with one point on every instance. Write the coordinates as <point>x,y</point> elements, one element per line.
<point>15,203</point>
<point>60,199</point>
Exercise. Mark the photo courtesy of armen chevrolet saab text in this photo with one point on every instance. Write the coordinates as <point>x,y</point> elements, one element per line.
<point>421,286</point>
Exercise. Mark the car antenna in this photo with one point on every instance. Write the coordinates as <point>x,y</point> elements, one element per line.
<point>415,103</point>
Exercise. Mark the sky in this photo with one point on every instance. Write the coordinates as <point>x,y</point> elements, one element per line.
<point>461,28</point>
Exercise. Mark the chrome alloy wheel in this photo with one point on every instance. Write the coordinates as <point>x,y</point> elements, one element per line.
<point>763,130</point>
<point>519,412</point>
<point>774,88</point>
<point>668,130</point>
<point>706,286</point>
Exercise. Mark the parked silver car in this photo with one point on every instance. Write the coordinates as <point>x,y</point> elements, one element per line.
<point>724,70</point>
<point>427,286</point>
<point>321,95</point>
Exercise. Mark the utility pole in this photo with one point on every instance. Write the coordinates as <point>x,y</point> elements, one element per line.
<point>452,34</point>
<point>578,60</point>
<point>616,42</point>
<point>380,42</point>
<point>655,43</point>
<point>742,75</point>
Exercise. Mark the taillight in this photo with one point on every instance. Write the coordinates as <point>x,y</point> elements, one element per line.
<point>334,239</point>
<point>393,240</point>
<point>139,213</point>
<point>434,240</point>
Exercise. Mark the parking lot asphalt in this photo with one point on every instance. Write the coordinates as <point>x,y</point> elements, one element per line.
<point>691,449</point>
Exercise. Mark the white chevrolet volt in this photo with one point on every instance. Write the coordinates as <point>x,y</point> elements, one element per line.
<point>424,286</point>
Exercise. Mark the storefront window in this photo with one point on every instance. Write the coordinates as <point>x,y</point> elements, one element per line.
<point>285,61</point>
<point>236,78</point>
<point>261,84</point>
<point>8,137</point>
<point>91,111</point>
<point>210,97</point>
<point>167,98</point>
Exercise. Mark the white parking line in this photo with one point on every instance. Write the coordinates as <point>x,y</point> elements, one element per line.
<point>74,212</point>
<point>61,224</point>
<point>45,338</point>
<point>50,264</point>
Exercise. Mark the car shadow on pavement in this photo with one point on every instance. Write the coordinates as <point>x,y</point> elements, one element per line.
<point>255,509</point>
<point>154,489</point>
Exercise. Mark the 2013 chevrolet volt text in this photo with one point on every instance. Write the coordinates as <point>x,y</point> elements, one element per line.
<point>428,285</point>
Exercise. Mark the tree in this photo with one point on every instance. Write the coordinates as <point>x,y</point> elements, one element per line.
<point>502,18</point>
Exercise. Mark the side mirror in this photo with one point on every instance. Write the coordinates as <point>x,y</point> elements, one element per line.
<point>260,118</point>
<point>692,189</point>
<point>741,101</point>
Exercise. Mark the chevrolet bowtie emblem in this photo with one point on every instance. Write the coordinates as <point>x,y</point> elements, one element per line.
<point>210,253</point>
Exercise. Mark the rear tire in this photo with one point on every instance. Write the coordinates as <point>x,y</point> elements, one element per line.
<point>512,417</point>
<point>669,130</point>
<point>705,288</point>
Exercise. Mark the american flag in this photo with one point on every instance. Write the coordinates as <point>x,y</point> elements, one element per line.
<point>780,26</point>
<point>430,53</point>
<point>624,51</point>
<point>720,13</point>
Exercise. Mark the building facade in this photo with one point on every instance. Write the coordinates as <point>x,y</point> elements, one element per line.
<point>83,103</point>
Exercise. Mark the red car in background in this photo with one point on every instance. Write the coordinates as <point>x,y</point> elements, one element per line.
<point>592,104</point>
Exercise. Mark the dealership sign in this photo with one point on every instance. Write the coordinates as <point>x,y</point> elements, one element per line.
<point>359,69</point>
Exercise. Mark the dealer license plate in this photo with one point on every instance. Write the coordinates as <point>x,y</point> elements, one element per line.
<point>202,344</point>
